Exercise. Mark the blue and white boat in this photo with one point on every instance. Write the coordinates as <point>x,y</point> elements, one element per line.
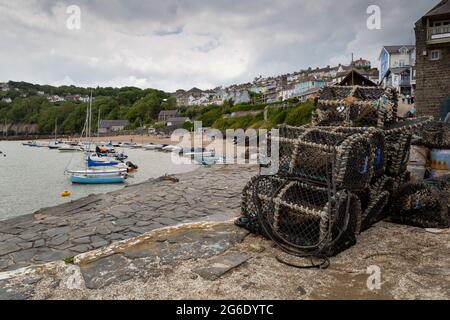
<point>94,161</point>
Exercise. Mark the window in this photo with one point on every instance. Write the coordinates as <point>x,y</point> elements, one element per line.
<point>435,55</point>
<point>402,63</point>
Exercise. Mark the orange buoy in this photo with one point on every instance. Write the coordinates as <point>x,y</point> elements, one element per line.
<point>65,194</point>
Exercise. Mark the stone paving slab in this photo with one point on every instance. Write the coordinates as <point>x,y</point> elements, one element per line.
<point>98,220</point>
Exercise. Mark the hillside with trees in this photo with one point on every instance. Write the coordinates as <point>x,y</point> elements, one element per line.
<point>31,104</point>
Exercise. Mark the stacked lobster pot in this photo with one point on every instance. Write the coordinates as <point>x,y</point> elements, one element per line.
<point>335,176</point>
<point>311,205</point>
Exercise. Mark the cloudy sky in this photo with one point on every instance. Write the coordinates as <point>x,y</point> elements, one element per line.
<point>172,44</point>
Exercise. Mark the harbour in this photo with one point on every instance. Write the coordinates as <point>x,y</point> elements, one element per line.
<point>33,178</point>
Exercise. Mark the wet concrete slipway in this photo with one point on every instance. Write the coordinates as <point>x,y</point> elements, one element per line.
<point>175,239</point>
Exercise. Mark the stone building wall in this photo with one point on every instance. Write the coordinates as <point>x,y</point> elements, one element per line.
<point>433,77</point>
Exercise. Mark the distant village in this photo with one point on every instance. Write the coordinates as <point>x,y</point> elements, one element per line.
<point>300,85</point>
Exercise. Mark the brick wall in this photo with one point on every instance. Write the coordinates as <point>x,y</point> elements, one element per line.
<point>433,77</point>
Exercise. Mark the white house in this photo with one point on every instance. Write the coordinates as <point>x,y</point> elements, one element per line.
<point>397,64</point>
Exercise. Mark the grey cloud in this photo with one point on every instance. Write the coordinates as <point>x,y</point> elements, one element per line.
<point>184,43</point>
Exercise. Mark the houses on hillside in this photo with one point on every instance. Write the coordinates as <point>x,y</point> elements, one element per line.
<point>301,85</point>
<point>4,87</point>
<point>433,61</point>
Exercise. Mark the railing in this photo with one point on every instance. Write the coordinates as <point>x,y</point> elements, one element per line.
<point>439,34</point>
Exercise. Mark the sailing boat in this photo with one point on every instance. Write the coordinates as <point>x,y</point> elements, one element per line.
<point>89,176</point>
<point>55,144</point>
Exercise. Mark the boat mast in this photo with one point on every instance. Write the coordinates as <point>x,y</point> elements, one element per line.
<point>98,123</point>
<point>56,128</point>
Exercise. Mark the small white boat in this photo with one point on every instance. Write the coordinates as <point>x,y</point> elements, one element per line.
<point>54,145</point>
<point>69,148</point>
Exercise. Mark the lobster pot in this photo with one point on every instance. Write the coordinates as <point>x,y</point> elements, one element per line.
<point>355,107</point>
<point>375,200</point>
<point>378,145</point>
<point>267,187</point>
<point>436,135</point>
<point>422,205</point>
<point>326,158</point>
<point>397,152</point>
<point>307,218</point>
<point>377,142</point>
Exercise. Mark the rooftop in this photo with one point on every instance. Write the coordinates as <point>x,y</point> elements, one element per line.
<point>442,8</point>
<point>396,48</point>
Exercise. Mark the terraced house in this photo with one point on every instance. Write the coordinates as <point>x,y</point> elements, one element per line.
<point>433,61</point>
<point>397,65</point>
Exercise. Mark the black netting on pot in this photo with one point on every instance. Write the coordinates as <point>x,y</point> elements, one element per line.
<point>375,200</point>
<point>346,225</point>
<point>267,186</point>
<point>436,135</point>
<point>377,141</point>
<point>397,152</point>
<point>421,205</point>
<point>308,218</point>
<point>375,210</point>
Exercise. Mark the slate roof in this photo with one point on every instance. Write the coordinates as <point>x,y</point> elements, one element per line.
<point>395,49</point>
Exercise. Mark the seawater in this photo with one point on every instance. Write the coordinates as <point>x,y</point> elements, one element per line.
<point>33,178</point>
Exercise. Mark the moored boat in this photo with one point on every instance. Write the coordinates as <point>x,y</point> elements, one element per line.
<point>95,161</point>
